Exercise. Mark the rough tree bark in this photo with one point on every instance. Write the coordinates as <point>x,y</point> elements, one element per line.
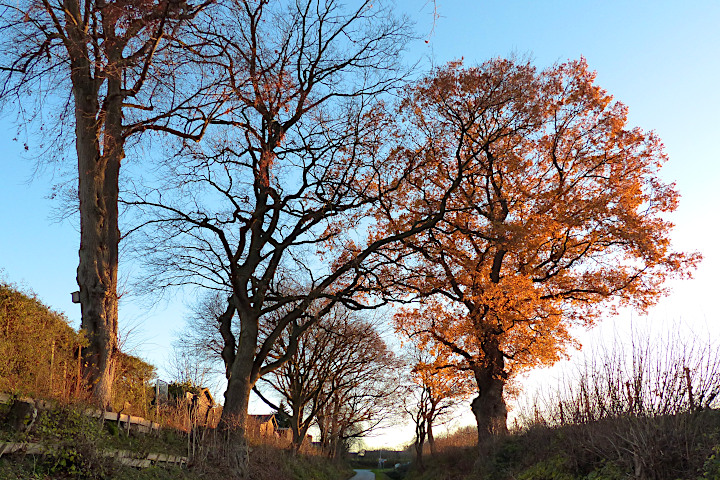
<point>491,376</point>
<point>98,175</point>
<point>241,380</point>
<point>489,406</point>
<point>104,53</point>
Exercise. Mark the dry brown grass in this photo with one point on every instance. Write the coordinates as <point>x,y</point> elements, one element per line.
<point>455,456</point>
<point>463,437</point>
<point>270,458</point>
<point>647,412</point>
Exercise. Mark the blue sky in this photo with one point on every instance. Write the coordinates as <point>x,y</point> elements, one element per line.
<point>661,58</point>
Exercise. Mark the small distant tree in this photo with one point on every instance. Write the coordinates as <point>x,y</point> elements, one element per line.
<point>362,392</point>
<point>340,356</point>
<point>187,363</point>
<point>560,219</point>
<point>282,417</point>
<point>436,390</point>
<point>301,379</point>
<point>329,361</point>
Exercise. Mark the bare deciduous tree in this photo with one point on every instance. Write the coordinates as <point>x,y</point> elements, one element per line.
<point>279,203</point>
<point>334,356</point>
<point>361,392</point>
<point>121,67</point>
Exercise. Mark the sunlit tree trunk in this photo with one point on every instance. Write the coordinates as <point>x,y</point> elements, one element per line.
<point>489,406</point>
<point>237,396</point>
<point>98,175</point>
<point>234,422</point>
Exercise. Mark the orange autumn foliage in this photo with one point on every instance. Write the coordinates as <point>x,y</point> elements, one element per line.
<point>433,398</point>
<point>431,373</point>
<point>559,217</point>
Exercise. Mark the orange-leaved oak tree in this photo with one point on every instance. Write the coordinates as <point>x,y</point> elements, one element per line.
<point>559,220</point>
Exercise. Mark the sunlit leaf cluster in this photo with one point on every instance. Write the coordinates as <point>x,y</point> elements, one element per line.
<point>560,218</point>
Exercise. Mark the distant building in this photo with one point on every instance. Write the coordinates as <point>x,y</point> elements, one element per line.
<point>262,425</point>
<point>202,405</point>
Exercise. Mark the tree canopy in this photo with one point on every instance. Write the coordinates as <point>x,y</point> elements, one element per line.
<point>561,218</point>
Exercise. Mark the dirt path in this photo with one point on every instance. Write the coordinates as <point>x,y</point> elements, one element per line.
<point>363,475</point>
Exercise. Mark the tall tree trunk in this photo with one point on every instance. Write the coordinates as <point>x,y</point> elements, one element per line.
<point>98,192</point>
<point>97,279</point>
<point>237,398</point>
<point>234,423</point>
<point>489,406</point>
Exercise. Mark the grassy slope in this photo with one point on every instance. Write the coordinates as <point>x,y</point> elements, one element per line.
<point>80,440</point>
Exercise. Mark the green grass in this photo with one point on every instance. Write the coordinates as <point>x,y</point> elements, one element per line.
<point>380,473</point>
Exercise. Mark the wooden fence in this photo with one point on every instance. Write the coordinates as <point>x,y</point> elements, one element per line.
<point>125,457</point>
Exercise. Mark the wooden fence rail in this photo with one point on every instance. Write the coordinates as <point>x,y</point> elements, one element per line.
<point>125,457</point>
<point>128,422</point>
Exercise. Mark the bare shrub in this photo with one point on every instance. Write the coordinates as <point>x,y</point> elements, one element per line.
<point>272,456</point>
<point>648,408</point>
<point>463,437</point>
<point>657,377</point>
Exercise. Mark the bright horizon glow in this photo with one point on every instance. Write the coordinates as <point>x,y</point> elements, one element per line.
<point>661,59</point>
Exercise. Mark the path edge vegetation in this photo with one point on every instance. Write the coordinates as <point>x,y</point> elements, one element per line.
<point>77,444</point>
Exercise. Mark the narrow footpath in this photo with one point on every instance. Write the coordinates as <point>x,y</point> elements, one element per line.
<point>363,475</point>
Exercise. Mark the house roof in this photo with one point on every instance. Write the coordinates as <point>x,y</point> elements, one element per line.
<point>208,396</point>
<point>263,418</point>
